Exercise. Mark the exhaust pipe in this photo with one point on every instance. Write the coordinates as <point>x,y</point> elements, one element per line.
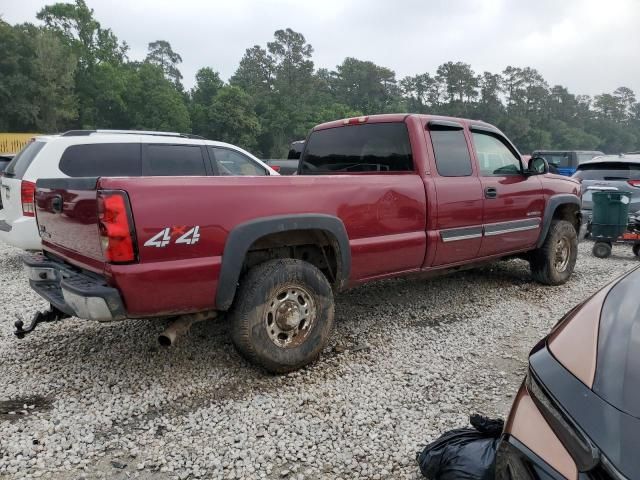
<point>181,325</point>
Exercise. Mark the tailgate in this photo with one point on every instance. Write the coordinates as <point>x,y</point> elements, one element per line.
<point>67,215</point>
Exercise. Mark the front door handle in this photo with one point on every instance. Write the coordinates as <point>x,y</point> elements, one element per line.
<point>490,192</point>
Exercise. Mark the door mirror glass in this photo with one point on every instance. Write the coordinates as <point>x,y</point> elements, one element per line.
<point>538,166</point>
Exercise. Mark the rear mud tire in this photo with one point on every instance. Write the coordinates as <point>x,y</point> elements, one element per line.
<point>277,341</point>
<point>553,263</point>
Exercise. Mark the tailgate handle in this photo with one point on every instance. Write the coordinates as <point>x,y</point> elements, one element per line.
<point>56,204</point>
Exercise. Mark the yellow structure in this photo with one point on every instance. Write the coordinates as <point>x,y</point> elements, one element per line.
<point>14,142</point>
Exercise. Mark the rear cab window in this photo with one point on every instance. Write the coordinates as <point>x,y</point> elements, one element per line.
<point>21,162</point>
<point>363,148</point>
<point>102,160</point>
<point>608,171</point>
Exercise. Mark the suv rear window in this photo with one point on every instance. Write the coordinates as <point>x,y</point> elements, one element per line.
<point>375,147</point>
<point>102,160</point>
<point>20,163</point>
<point>608,171</point>
<point>174,160</point>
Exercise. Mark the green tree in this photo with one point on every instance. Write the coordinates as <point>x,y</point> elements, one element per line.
<point>93,46</point>
<point>232,118</point>
<point>152,101</point>
<point>365,86</point>
<point>53,69</point>
<point>162,55</point>
<point>208,83</point>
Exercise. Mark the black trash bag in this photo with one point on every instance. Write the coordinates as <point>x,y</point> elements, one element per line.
<point>463,453</point>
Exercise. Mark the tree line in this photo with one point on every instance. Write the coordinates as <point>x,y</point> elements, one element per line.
<point>71,72</point>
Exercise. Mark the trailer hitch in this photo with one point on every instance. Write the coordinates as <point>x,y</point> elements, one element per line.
<point>50,315</point>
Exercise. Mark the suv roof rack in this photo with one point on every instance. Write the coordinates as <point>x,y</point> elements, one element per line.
<point>82,133</point>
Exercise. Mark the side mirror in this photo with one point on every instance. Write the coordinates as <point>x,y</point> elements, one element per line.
<point>537,166</point>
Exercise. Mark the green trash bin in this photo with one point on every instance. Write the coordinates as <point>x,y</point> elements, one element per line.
<point>610,214</point>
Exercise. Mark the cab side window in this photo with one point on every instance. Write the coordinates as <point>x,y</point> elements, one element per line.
<point>494,157</point>
<point>231,162</point>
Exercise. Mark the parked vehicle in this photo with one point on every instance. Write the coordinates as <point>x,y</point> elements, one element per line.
<point>5,159</point>
<point>290,165</point>
<point>610,172</point>
<point>565,162</point>
<point>376,197</point>
<point>92,153</point>
<point>577,414</point>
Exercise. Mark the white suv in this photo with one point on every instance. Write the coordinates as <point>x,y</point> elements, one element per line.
<point>109,153</point>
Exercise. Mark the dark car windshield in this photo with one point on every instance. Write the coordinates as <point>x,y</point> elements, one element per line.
<point>608,171</point>
<point>376,147</point>
<point>617,378</point>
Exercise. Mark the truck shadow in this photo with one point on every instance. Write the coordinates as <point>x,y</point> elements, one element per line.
<point>116,363</point>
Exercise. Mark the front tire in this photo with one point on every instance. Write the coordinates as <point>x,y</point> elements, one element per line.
<point>283,315</point>
<point>554,262</point>
<point>601,249</point>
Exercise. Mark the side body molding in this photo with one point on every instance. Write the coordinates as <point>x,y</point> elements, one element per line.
<point>552,203</point>
<point>244,235</point>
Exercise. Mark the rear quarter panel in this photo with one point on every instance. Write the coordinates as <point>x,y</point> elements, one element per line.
<point>384,216</point>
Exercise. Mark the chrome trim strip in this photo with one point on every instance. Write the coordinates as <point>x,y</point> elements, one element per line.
<point>461,237</point>
<point>510,230</point>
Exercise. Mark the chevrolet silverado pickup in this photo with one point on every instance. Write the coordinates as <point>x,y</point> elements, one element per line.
<point>375,197</point>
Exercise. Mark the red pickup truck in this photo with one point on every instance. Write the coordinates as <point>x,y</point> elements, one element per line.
<point>375,197</point>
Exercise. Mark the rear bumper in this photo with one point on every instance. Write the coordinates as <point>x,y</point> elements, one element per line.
<point>78,294</point>
<point>22,233</point>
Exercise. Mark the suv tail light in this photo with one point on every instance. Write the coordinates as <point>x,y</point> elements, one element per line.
<point>27,195</point>
<point>117,234</point>
<point>634,183</point>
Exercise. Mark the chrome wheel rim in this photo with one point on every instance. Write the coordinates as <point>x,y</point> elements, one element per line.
<point>562,254</point>
<point>290,316</point>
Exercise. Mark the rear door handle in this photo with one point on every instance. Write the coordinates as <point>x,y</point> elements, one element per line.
<point>490,192</point>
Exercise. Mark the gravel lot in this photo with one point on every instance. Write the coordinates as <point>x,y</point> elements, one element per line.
<point>409,359</point>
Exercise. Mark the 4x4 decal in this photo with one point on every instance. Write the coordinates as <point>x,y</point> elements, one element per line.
<point>164,236</point>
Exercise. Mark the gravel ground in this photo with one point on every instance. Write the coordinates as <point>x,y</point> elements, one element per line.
<point>409,359</point>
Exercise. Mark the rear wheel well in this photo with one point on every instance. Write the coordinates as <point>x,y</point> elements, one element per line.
<point>569,212</point>
<point>317,247</point>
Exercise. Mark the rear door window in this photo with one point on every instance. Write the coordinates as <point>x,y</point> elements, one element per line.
<point>102,160</point>
<point>231,162</point>
<point>20,163</point>
<point>451,151</point>
<point>608,171</point>
<point>174,160</point>
<point>374,147</point>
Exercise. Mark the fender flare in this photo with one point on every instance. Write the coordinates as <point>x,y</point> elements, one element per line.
<point>552,204</point>
<point>244,235</point>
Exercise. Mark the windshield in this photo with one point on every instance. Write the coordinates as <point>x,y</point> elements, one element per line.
<point>376,147</point>
<point>20,163</point>
<point>608,171</point>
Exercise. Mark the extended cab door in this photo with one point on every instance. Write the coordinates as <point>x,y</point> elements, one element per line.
<point>513,201</point>
<point>458,195</point>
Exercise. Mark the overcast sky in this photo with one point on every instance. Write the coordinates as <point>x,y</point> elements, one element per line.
<point>590,46</point>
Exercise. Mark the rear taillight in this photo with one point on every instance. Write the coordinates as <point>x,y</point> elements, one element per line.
<point>116,227</point>
<point>27,195</point>
<point>275,167</point>
<point>634,183</point>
